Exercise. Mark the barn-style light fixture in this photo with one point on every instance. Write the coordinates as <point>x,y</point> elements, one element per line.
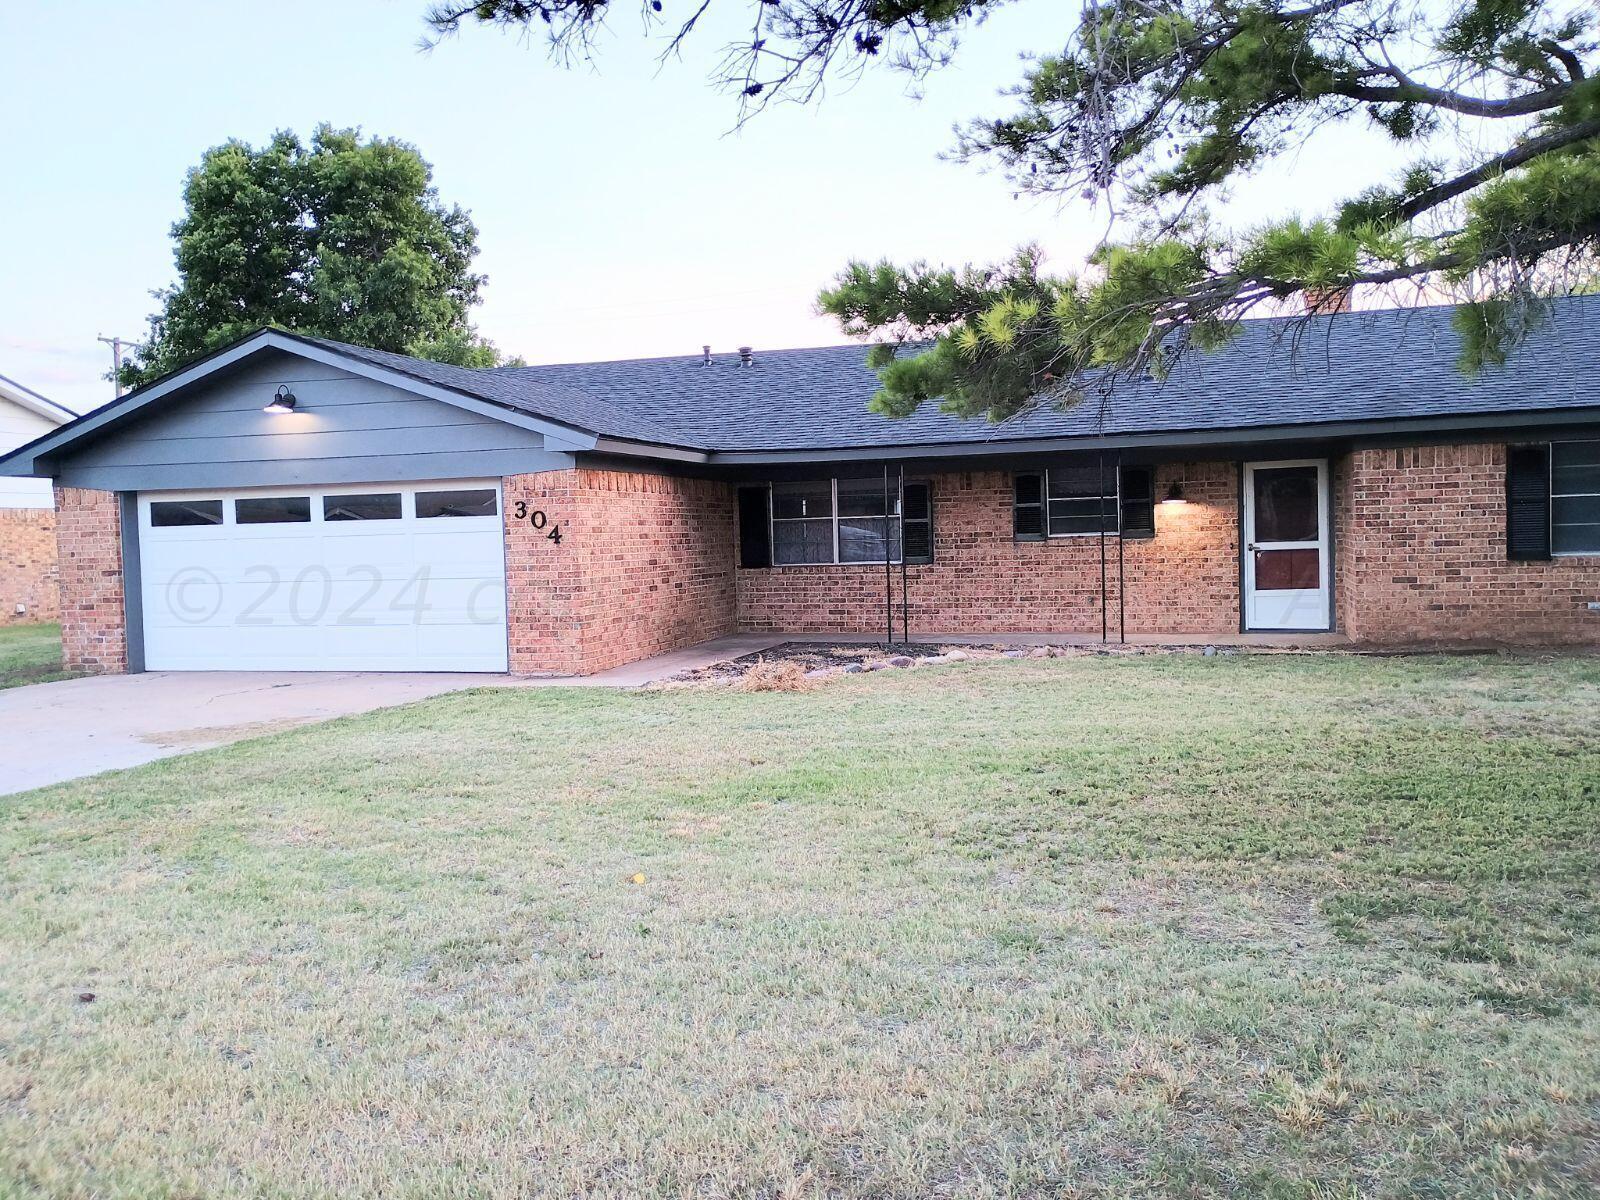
<point>282,400</point>
<point>1175,494</point>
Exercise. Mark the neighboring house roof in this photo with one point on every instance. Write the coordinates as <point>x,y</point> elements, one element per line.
<point>26,397</point>
<point>1281,379</point>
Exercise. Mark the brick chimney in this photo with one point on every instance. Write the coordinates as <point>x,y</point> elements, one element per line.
<point>1323,300</point>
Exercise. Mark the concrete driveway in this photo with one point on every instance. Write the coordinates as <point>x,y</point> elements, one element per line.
<point>50,732</point>
<point>55,731</point>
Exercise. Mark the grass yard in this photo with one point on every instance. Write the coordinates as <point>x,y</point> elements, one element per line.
<point>30,654</point>
<point>1166,926</point>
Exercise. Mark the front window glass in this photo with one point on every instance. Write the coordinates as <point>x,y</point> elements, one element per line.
<point>1575,498</point>
<point>835,521</point>
<point>1081,500</point>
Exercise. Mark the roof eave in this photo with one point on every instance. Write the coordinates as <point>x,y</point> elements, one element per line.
<point>1380,427</point>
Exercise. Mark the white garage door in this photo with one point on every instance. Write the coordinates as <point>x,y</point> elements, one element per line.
<point>360,578</point>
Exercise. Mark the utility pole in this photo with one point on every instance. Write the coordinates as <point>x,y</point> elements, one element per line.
<point>116,345</point>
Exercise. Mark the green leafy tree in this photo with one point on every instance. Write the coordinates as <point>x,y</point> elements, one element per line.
<point>343,238</point>
<point>1157,107</point>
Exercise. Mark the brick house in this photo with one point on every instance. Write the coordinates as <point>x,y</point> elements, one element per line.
<point>291,503</point>
<point>28,590</point>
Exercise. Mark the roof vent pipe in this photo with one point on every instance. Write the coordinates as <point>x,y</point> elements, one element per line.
<point>706,361</point>
<point>747,356</point>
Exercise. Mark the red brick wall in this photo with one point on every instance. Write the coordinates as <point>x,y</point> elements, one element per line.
<point>28,565</point>
<point>645,565</point>
<point>89,538</point>
<point>1185,580</point>
<point>1422,555</point>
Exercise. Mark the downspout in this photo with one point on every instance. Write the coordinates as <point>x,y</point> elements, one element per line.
<point>1122,577</point>
<point>905,604</point>
<point>888,567</point>
<point>1100,472</point>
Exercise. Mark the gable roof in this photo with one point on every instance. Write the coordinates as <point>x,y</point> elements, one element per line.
<point>26,397</point>
<point>553,398</point>
<point>1280,378</point>
<point>1348,367</point>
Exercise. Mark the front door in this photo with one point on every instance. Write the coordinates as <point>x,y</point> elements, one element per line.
<point>1286,583</point>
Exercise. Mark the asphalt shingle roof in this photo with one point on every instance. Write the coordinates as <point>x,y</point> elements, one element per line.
<point>1350,367</point>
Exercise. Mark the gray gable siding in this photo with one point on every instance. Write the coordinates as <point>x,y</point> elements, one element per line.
<point>346,429</point>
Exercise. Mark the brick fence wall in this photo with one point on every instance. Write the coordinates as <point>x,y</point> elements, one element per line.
<point>1422,555</point>
<point>1184,580</point>
<point>645,565</point>
<point>89,538</point>
<point>28,573</point>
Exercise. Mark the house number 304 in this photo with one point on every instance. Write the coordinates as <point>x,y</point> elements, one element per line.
<point>536,517</point>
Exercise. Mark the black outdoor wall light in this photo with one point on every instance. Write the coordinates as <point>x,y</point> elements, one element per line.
<point>1174,493</point>
<point>282,400</point>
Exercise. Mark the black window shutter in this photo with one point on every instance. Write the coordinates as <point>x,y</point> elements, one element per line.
<point>917,523</point>
<point>1138,502</point>
<point>1528,502</point>
<point>755,532</point>
<point>1027,507</point>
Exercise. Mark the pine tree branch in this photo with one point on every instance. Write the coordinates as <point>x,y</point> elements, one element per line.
<point>1408,91</point>
<point>1517,156</point>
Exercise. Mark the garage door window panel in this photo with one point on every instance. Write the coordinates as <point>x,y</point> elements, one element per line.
<point>470,503</point>
<point>374,507</point>
<point>272,510</point>
<point>170,514</point>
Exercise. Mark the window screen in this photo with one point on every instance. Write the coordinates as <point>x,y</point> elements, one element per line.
<point>835,521</point>
<point>1081,500</point>
<point>1575,498</point>
<point>802,523</point>
<point>869,521</point>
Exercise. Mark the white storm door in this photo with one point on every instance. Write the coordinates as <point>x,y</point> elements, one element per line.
<point>370,577</point>
<point>1287,584</point>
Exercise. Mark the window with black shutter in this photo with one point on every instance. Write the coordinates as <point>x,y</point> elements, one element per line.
<point>1528,502</point>
<point>1027,507</point>
<point>917,520</point>
<point>1138,502</point>
<point>755,533</point>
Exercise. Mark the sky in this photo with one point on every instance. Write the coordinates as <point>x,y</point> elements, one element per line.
<point>618,214</point>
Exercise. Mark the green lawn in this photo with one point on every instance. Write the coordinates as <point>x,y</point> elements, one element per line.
<point>1161,926</point>
<point>30,654</point>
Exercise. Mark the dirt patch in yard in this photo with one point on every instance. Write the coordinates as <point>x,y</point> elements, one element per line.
<point>820,660</point>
